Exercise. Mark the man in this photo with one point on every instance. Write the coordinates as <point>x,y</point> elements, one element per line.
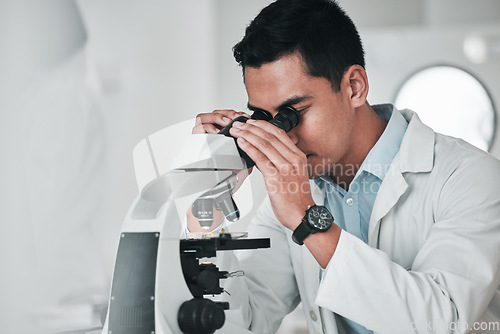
<point>415,242</point>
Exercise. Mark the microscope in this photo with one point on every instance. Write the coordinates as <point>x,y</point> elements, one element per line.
<point>162,281</point>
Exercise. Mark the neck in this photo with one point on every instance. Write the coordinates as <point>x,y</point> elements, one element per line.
<point>369,128</point>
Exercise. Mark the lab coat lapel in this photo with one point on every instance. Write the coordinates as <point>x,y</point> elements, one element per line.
<point>416,155</point>
<point>396,186</point>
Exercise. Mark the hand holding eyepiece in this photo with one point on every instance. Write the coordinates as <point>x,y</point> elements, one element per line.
<point>286,119</point>
<point>259,115</point>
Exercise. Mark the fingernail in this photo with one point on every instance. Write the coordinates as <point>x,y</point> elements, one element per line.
<point>226,119</point>
<point>237,124</point>
<point>234,130</point>
<point>251,121</point>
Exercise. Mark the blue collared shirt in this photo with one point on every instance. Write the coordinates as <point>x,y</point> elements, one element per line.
<point>352,209</point>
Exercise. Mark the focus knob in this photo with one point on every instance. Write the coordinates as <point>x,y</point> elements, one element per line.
<point>200,316</point>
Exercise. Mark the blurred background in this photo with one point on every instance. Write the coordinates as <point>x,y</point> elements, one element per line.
<point>81,82</point>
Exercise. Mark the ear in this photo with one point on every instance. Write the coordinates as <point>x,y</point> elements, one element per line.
<point>356,85</point>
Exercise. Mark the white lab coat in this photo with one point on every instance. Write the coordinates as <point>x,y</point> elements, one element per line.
<point>432,259</point>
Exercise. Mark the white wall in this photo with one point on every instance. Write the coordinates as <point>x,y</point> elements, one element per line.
<point>156,65</point>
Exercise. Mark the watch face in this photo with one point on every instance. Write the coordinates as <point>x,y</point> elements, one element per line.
<point>320,217</point>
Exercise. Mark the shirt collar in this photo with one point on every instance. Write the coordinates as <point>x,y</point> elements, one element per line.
<point>417,148</point>
<point>380,157</point>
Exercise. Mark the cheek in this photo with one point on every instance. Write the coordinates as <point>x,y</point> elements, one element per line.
<point>320,134</point>
<point>327,140</point>
<point>309,135</point>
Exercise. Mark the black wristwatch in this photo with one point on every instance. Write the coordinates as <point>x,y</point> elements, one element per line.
<point>317,219</point>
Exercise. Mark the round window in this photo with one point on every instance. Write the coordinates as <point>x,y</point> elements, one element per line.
<point>452,102</point>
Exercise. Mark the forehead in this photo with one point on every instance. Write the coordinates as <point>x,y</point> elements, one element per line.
<point>284,65</point>
<point>272,83</point>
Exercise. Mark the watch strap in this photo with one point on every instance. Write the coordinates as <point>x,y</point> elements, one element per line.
<point>302,232</point>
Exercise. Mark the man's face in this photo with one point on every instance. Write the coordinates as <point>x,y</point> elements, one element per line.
<point>325,130</point>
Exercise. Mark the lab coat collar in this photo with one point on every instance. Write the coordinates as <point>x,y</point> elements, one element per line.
<point>416,155</point>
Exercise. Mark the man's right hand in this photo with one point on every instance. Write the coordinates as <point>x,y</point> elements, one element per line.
<point>213,122</point>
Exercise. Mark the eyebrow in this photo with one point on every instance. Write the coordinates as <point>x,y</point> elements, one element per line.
<point>288,102</point>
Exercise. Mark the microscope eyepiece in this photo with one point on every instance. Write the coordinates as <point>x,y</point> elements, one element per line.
<point>287,118</point>
<point>262,115</point>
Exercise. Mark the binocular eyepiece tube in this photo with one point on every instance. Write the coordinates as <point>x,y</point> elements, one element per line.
<point>286,119</point>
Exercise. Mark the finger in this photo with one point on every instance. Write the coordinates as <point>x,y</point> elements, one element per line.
<point>277,132</point>
<point>261,161</point>
<point>232,114</point>
<point>241,113</point>
<point>220,118</point>
<point>275,144</point>
<point>212,118</point>
<point>274,151</point>
<point>205,128</point>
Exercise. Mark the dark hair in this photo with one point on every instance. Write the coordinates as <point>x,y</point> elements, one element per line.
<point>319,30</point>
